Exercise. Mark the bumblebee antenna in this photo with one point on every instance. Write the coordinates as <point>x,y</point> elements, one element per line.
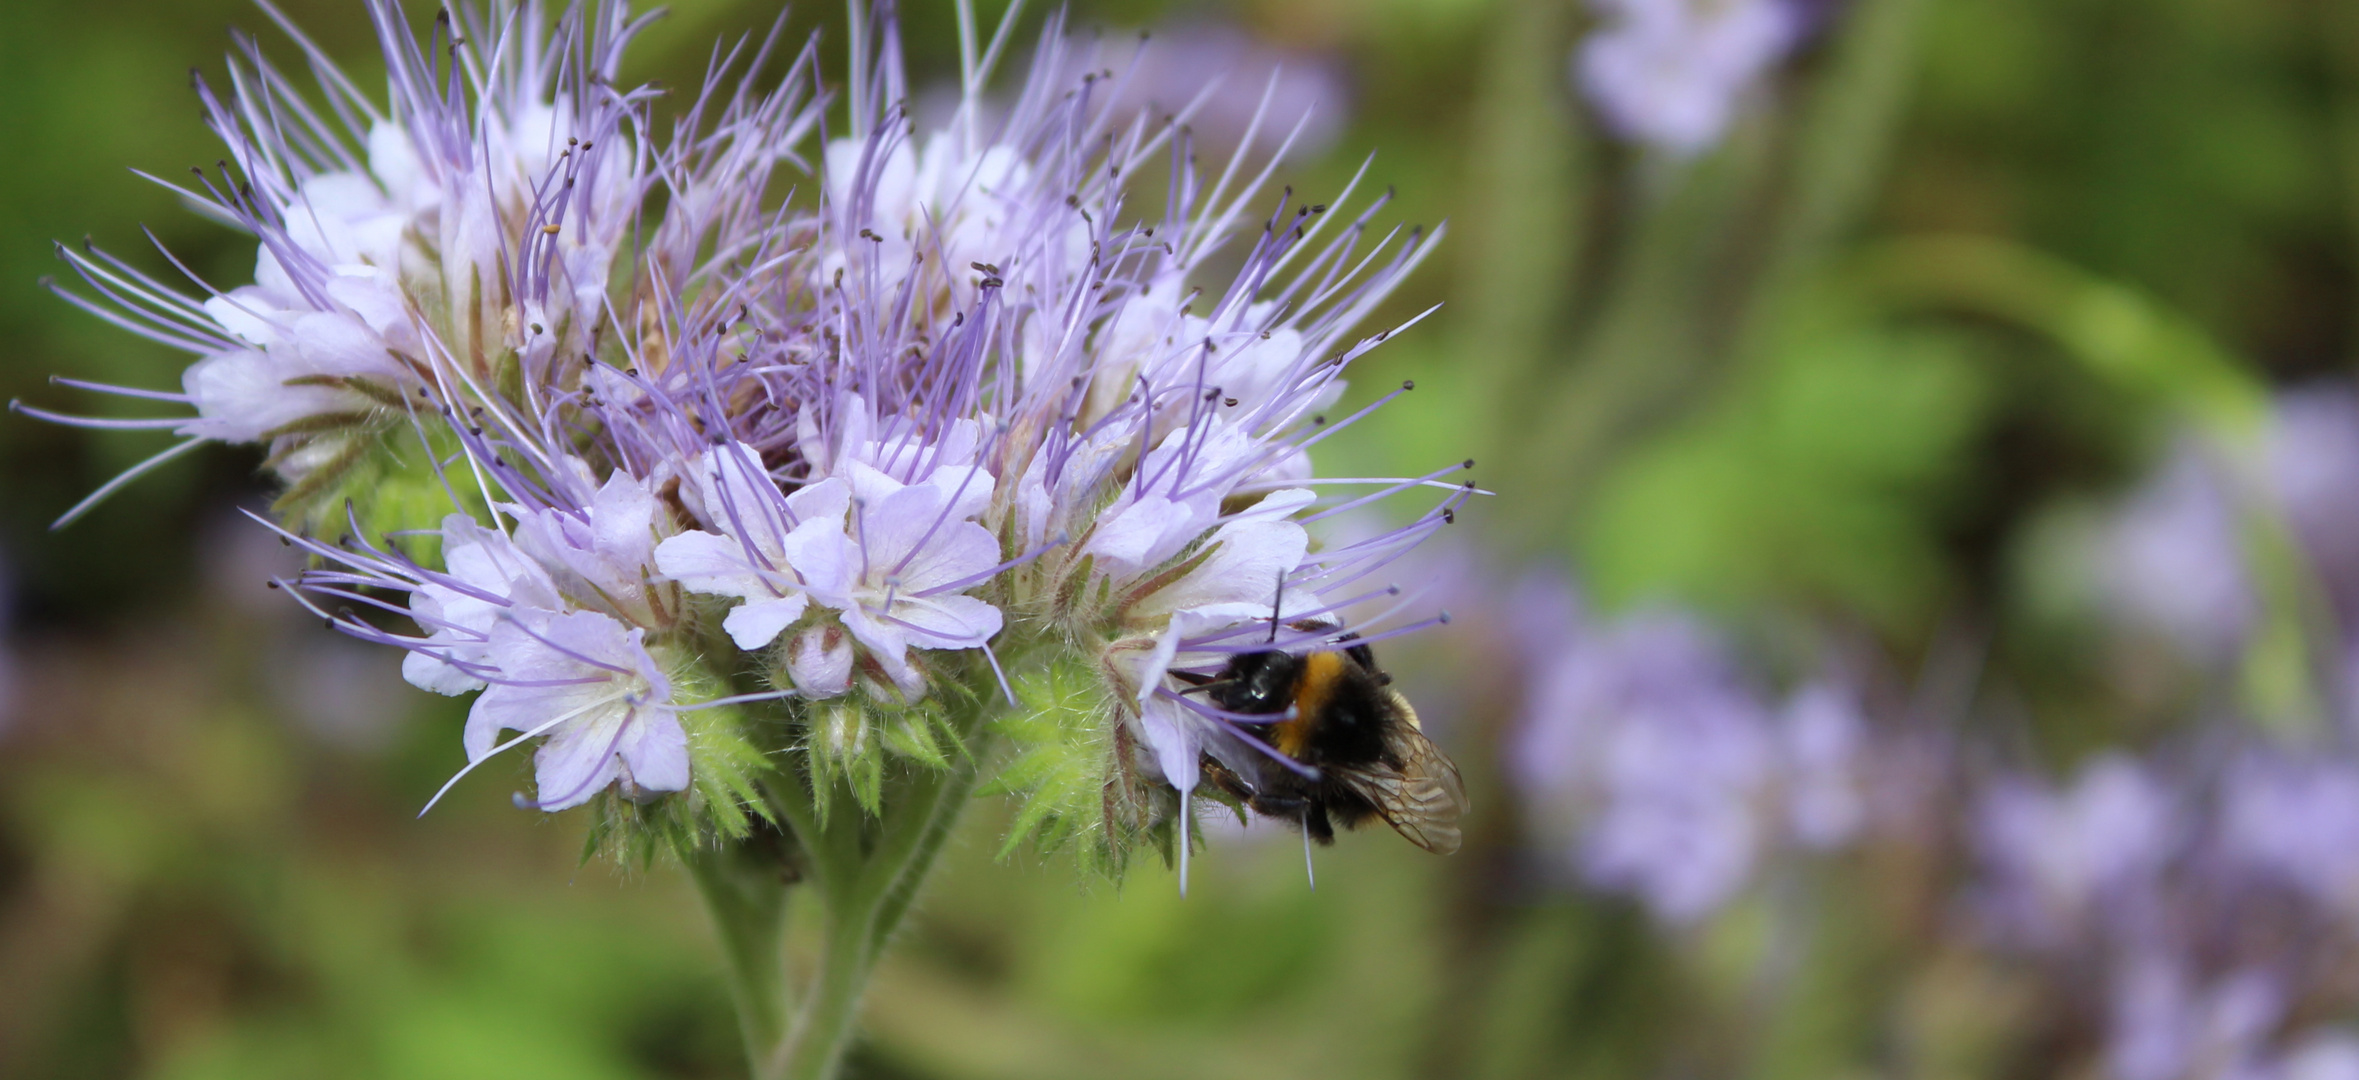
<point>1276,600</point>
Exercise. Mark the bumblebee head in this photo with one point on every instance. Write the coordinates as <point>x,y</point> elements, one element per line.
<point>1258,683</point>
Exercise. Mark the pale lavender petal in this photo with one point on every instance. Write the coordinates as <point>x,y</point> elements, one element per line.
<point>705,563</point>
<point>756,623</point>
<point>1240,576</point>
<point>1172,738</point>
<point>655,749</point>
<point>1144,533</point>
<point>579,760</point>
<point>947,622</point>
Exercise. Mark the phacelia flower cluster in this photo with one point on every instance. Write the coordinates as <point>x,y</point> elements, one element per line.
<point>691,446</point>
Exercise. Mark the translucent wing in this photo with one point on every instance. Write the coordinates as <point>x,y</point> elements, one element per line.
<point>1424,799</point>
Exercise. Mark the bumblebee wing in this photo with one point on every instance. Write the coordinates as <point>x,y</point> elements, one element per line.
<point>1424,799</point>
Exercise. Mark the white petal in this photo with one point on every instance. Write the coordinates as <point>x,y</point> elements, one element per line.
<point>756,623</point>
<point>1142,534</point>
<point>427,673</point>
<point>1173,738</point>
<point>579,760</point>
<point>947,622</point>
<point>1243,569</point>
<point>656,751</point>
<point>706,563</point>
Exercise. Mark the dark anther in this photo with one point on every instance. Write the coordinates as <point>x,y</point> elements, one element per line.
<point>1408,384</point>
<point>1230,402</point>
<point>1467,464</point>
<point>867,235</point>
<point>1319,209</point>
<point>536,329</point>
<point>1449,517</point>
<point>1319,420</point>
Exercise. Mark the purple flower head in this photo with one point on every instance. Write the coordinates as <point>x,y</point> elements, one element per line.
<point>2210,906</point>
<point>1675,73</point>
<point>947,409</point>
<point>2174,561</point>
<point>2163,1025</point>
<point>416,252</point>
<point>2060,862</point>
<point>1660,769</point>
<point>2295,821</point>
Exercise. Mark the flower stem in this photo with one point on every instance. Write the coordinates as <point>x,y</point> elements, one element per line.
<point>747,902</point>
<point>866,873</point>
<point>863,912</point>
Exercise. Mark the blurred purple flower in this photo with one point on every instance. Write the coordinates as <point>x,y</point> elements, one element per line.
<point>2062,865</point>
<point>2326,1055</point>
<point>2313,469</point>
<point>1652,762</point>
<point>2174,559</point>
<point>2295,820</point>
<point>2163,1025</point>
<point>1675,73</point>
<point>1824,733</point>
<point>1231,85</point>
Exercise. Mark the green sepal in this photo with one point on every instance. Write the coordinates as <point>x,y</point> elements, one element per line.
<point>842,748</point>
<point>1061,748</point>
<point>724,764</point>
<point>386,476</point>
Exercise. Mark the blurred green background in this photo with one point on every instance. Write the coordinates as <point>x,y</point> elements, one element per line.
<point>1763,388</point>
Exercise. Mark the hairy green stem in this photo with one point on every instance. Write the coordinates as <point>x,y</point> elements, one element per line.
<point>864,908</point>
<point>748,908</point>
<point>865,872</point>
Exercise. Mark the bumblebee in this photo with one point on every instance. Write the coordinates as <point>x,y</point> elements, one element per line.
<point>1358,749</point>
